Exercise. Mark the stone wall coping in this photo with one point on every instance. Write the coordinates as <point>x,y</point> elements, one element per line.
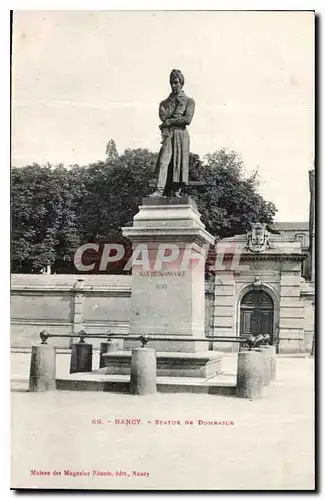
<point>69,289</point>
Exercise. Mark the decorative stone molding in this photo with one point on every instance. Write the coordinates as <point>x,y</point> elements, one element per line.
<point>257,238</point>
<point>257,283</point>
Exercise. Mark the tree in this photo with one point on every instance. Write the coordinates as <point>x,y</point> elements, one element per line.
<point>44,217</point>
<point>111,152</point>
<point>56,209</point>
<point>114,192</point>
<point>232,201</point>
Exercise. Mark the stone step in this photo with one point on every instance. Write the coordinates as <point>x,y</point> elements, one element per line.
<point>223,384</point>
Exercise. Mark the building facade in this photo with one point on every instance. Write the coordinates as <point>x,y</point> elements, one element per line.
<point>259,288</point>
<point>265,283</point>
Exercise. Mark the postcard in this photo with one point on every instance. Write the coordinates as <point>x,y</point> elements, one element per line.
<point>163,250</point>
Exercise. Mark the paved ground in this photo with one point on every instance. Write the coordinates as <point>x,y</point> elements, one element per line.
<point>269,446</point>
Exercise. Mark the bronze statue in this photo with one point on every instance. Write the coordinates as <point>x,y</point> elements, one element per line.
<point>175,112</point>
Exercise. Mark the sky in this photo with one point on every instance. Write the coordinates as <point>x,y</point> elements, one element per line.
<point>80,78</point>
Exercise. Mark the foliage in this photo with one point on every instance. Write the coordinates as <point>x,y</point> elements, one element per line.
<point>111,152</point>
<point>44,218</point>
<point>231,202</point>
<point>56,209</point>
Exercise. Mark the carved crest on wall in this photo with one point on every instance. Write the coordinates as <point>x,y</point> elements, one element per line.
<point>258,238</point>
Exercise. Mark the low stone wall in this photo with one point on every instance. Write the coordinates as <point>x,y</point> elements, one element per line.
<point>65,304</point>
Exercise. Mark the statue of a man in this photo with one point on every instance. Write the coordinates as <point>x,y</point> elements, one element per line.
<point>175,112</point>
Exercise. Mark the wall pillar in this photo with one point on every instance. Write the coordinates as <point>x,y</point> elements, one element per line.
<point>223,315</point>
<point>78,302</point>
<point>291,313</point>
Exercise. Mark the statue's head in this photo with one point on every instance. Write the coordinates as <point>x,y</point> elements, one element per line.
<point>176,80</point>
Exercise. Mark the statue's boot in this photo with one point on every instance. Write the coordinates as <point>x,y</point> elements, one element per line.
<point>178,193</point>
<point>178,189</point>
<point>157,194</point>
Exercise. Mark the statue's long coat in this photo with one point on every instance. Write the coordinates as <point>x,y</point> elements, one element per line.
<point>175,147</point>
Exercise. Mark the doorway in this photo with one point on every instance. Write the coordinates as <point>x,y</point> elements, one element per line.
<point>256,314</point>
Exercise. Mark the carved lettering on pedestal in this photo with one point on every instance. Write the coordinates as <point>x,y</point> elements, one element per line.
<point>161,274</point>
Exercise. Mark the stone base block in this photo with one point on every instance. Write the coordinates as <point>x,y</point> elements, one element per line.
<point>169,364</point>
<point>290,346</point>
<point>169,345</point>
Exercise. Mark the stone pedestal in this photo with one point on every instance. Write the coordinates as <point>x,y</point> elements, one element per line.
<point>169,245</point>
